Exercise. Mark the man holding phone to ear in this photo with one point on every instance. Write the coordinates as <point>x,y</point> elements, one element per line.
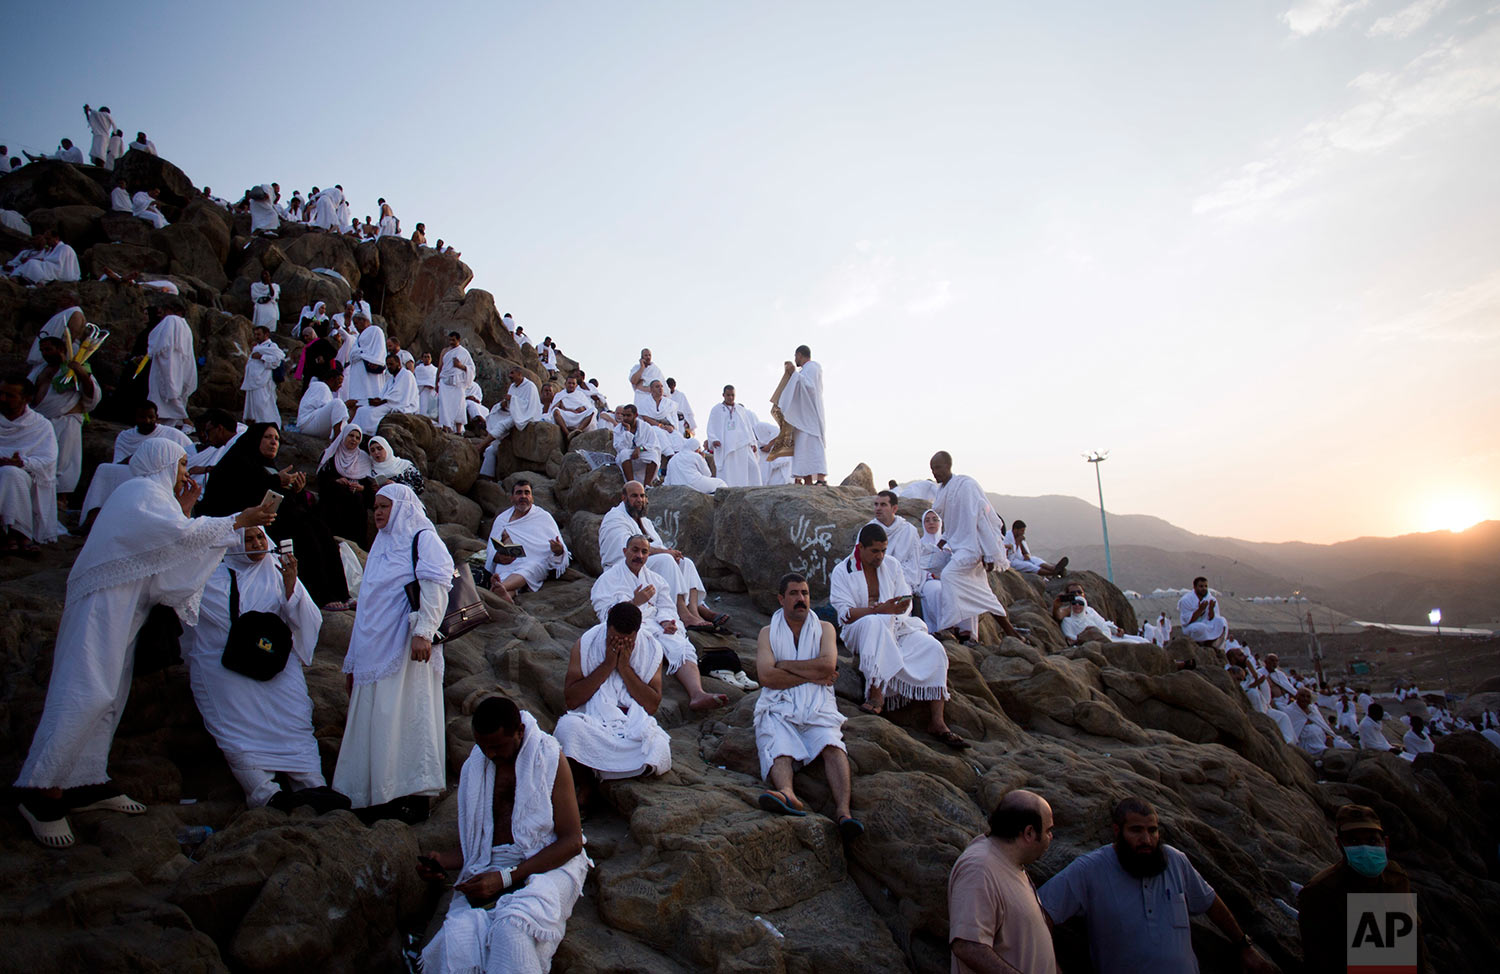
<point>899,658</point>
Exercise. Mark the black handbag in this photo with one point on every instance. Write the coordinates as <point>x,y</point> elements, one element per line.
<point>158,644</point>
<point>465,610</point>
<point>374,369</point>
<point>259,643</point>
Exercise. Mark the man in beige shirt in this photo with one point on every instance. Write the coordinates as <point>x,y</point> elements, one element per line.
<point>995,923</point>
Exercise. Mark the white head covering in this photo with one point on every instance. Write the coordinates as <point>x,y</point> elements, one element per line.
<point>691,443</point>
<point>392,466</point>
<point>349,461</point>
<point>157,459</point>
<point>766,431</point>
<point>927,536</point>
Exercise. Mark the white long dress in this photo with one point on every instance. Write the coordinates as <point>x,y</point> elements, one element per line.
<point>735,458</point>
<point>262,726</point>
<point>174,369</point>
<point>267,309</point>
<point>142,552</point>
<point>973,532</point>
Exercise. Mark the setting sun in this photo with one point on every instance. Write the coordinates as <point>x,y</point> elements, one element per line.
<point>1452,513</point>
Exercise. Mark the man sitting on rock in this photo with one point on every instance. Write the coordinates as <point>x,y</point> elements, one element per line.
<point>532,529</point>
<point>398,394</point>
<point>1202,622</point>
<point>1314,735</point>
<point>612,691</point>
<point>900,661</point>
<point>52,260</point>
<point>1021,559</point>
<point>629,580</point>
<point>1252,681</point>
<point>629,518</point>
<point>321,412</point>
<point>259,384</point>
<point>689,468</point>
<point>797,716</point>
<point>903,540</point>
<point>1082,619</point>
<point>660,411</point>
<point>518,408</point>
<point>572,409</point>
<point>1283,689</point>
<point>144,206</point>
<point>28,471</point>
<point>1135,895</point>
<point>637,445</point>
<point>109,476</point>
<point>1371,734</point>
<point>521,862</point>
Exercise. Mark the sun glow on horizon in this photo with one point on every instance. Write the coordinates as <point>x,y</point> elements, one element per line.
<point>1452,512</point>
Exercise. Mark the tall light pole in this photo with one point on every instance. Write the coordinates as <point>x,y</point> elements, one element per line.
<point>1096,458</point>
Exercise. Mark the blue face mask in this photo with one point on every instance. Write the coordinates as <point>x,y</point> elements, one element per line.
<point>1367,860</point>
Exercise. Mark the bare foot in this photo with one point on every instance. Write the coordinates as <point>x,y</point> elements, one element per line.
<point>708,701</point>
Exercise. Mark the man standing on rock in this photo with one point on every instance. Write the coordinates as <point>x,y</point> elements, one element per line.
<point>1135,895</point>
<point>174,368</point>
<point>642,374</point>
<point>629,580</point>
<point>995,922</point>
<point>800,397</point>
<point>534,531</point>
<point>731,437</point>
<point>900,661</point>
<point>974,533</point>
<point>627,519</point>
<point>518,408</point>
<point>1363,868</point>
<point>453,382</point>
<point>259,385</point>
<point>366,369</point>
<point>521,859</point>
<point>797,717</point>
<point>1202,622</point>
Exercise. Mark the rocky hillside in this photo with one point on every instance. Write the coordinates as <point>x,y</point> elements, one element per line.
<point>685,863</point>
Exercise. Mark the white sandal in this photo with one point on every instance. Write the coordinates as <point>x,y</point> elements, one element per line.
<point>56,834</point>
<point>115,803</point>
<point>742,680</point>
<point>726,676</point>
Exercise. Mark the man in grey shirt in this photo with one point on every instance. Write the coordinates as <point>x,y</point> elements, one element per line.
<point>1136,896</point>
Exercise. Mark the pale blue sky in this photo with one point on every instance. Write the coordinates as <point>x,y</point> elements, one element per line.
<point>1248,247</point>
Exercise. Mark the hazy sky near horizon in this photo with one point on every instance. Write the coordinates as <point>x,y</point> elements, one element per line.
<point>1249,247</point>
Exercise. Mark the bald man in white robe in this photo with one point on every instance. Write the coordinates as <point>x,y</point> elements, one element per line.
<point>398,394</point>
<point>731,436</point>
<point>630,517</point>
<point>800,397</point>
<point>975,535</point>
<point>517,409</point>
<point>640,377</point>
<point>572,408</point>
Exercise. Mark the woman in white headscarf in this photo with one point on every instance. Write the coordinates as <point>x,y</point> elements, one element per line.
<point>262,726</point>
<point>393,754</point>
<point>145,550</point>
<point>346,486</point>
<point>935,554</point>
<point>391,469</point>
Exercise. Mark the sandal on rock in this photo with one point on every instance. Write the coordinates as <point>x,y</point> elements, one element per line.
<point>1062,566</point>
<point>742,680</point>
<point>869,709</point>
<point>953,740</point>
<point>54,834</point>
<point>724,676</point>
<point>851,828</point>
<point>774,801</point>
<point>702,627</point>
<point>340,606</point>
<point>720,619</point>
<point>115,803</point>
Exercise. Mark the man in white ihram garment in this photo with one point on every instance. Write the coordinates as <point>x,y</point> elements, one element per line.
<point>903,541</point>
<point>689,468</point>
<point>119,197</point>
<point>637,444</point>
<point>629,517</point>
<point>398,394</point>
<point>102,126</point>
<point>173,375</point>
<point>28,470</point>
<point>900,660</point>
<point>974,534</point>
<point>629,580</point>
<point>454,377</point>
<point>535,531</point>
<point>264,217</point>
<point>641,375</point>
<point>661,413</point>
<point>64,407</point>
<point>572,408</point>
<point>263,727</point>
<point>54,261</point>
<point>521,861</point>
<point>109,476</point>
<point>321,411</point>
<point>517,409</point>
<point>143,205</point>
<point>797,717</point>
<point>800,397</point>
<point>1252,679</point>
<point>427,378</point>
<point>1202,622</point>
<point>612,691</point>
<point>1018,553</point>
<point>686,421</point>
<point>145,550</point>
<point>264,296</point>
<point>325,207</point>
<point>259,384</point>
<point>731,436</point>
<point>392,759</point>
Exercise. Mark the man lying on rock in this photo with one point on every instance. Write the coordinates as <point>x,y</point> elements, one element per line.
<point>521,863</point>
<point>797,718</point>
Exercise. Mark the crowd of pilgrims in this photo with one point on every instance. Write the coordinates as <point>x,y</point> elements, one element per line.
<point>221,541</point>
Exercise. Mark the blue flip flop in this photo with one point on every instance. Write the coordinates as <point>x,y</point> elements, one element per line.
<point>851,828</point>
<point>772,802</point>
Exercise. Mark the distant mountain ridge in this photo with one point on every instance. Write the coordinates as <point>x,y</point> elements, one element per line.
<point>1395,579</point>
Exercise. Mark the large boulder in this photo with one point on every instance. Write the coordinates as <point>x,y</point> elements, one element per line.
<point>212,221</point>
<point>328,250</point>
<point>125,228</point>
<point>446,506</point>
<point>528,448</point>
<point>123,259</point>
<point>191,253</point>
<point>301,287</point>
<point>860,477</point>
<point>78,225</point>
<point>142,170</point>
<point>49,183</point>
<point>581,489</point>
<point>414,283</point>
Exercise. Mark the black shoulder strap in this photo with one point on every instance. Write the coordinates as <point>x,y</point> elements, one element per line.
<point>414,551</point>
<point>234,596</point>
